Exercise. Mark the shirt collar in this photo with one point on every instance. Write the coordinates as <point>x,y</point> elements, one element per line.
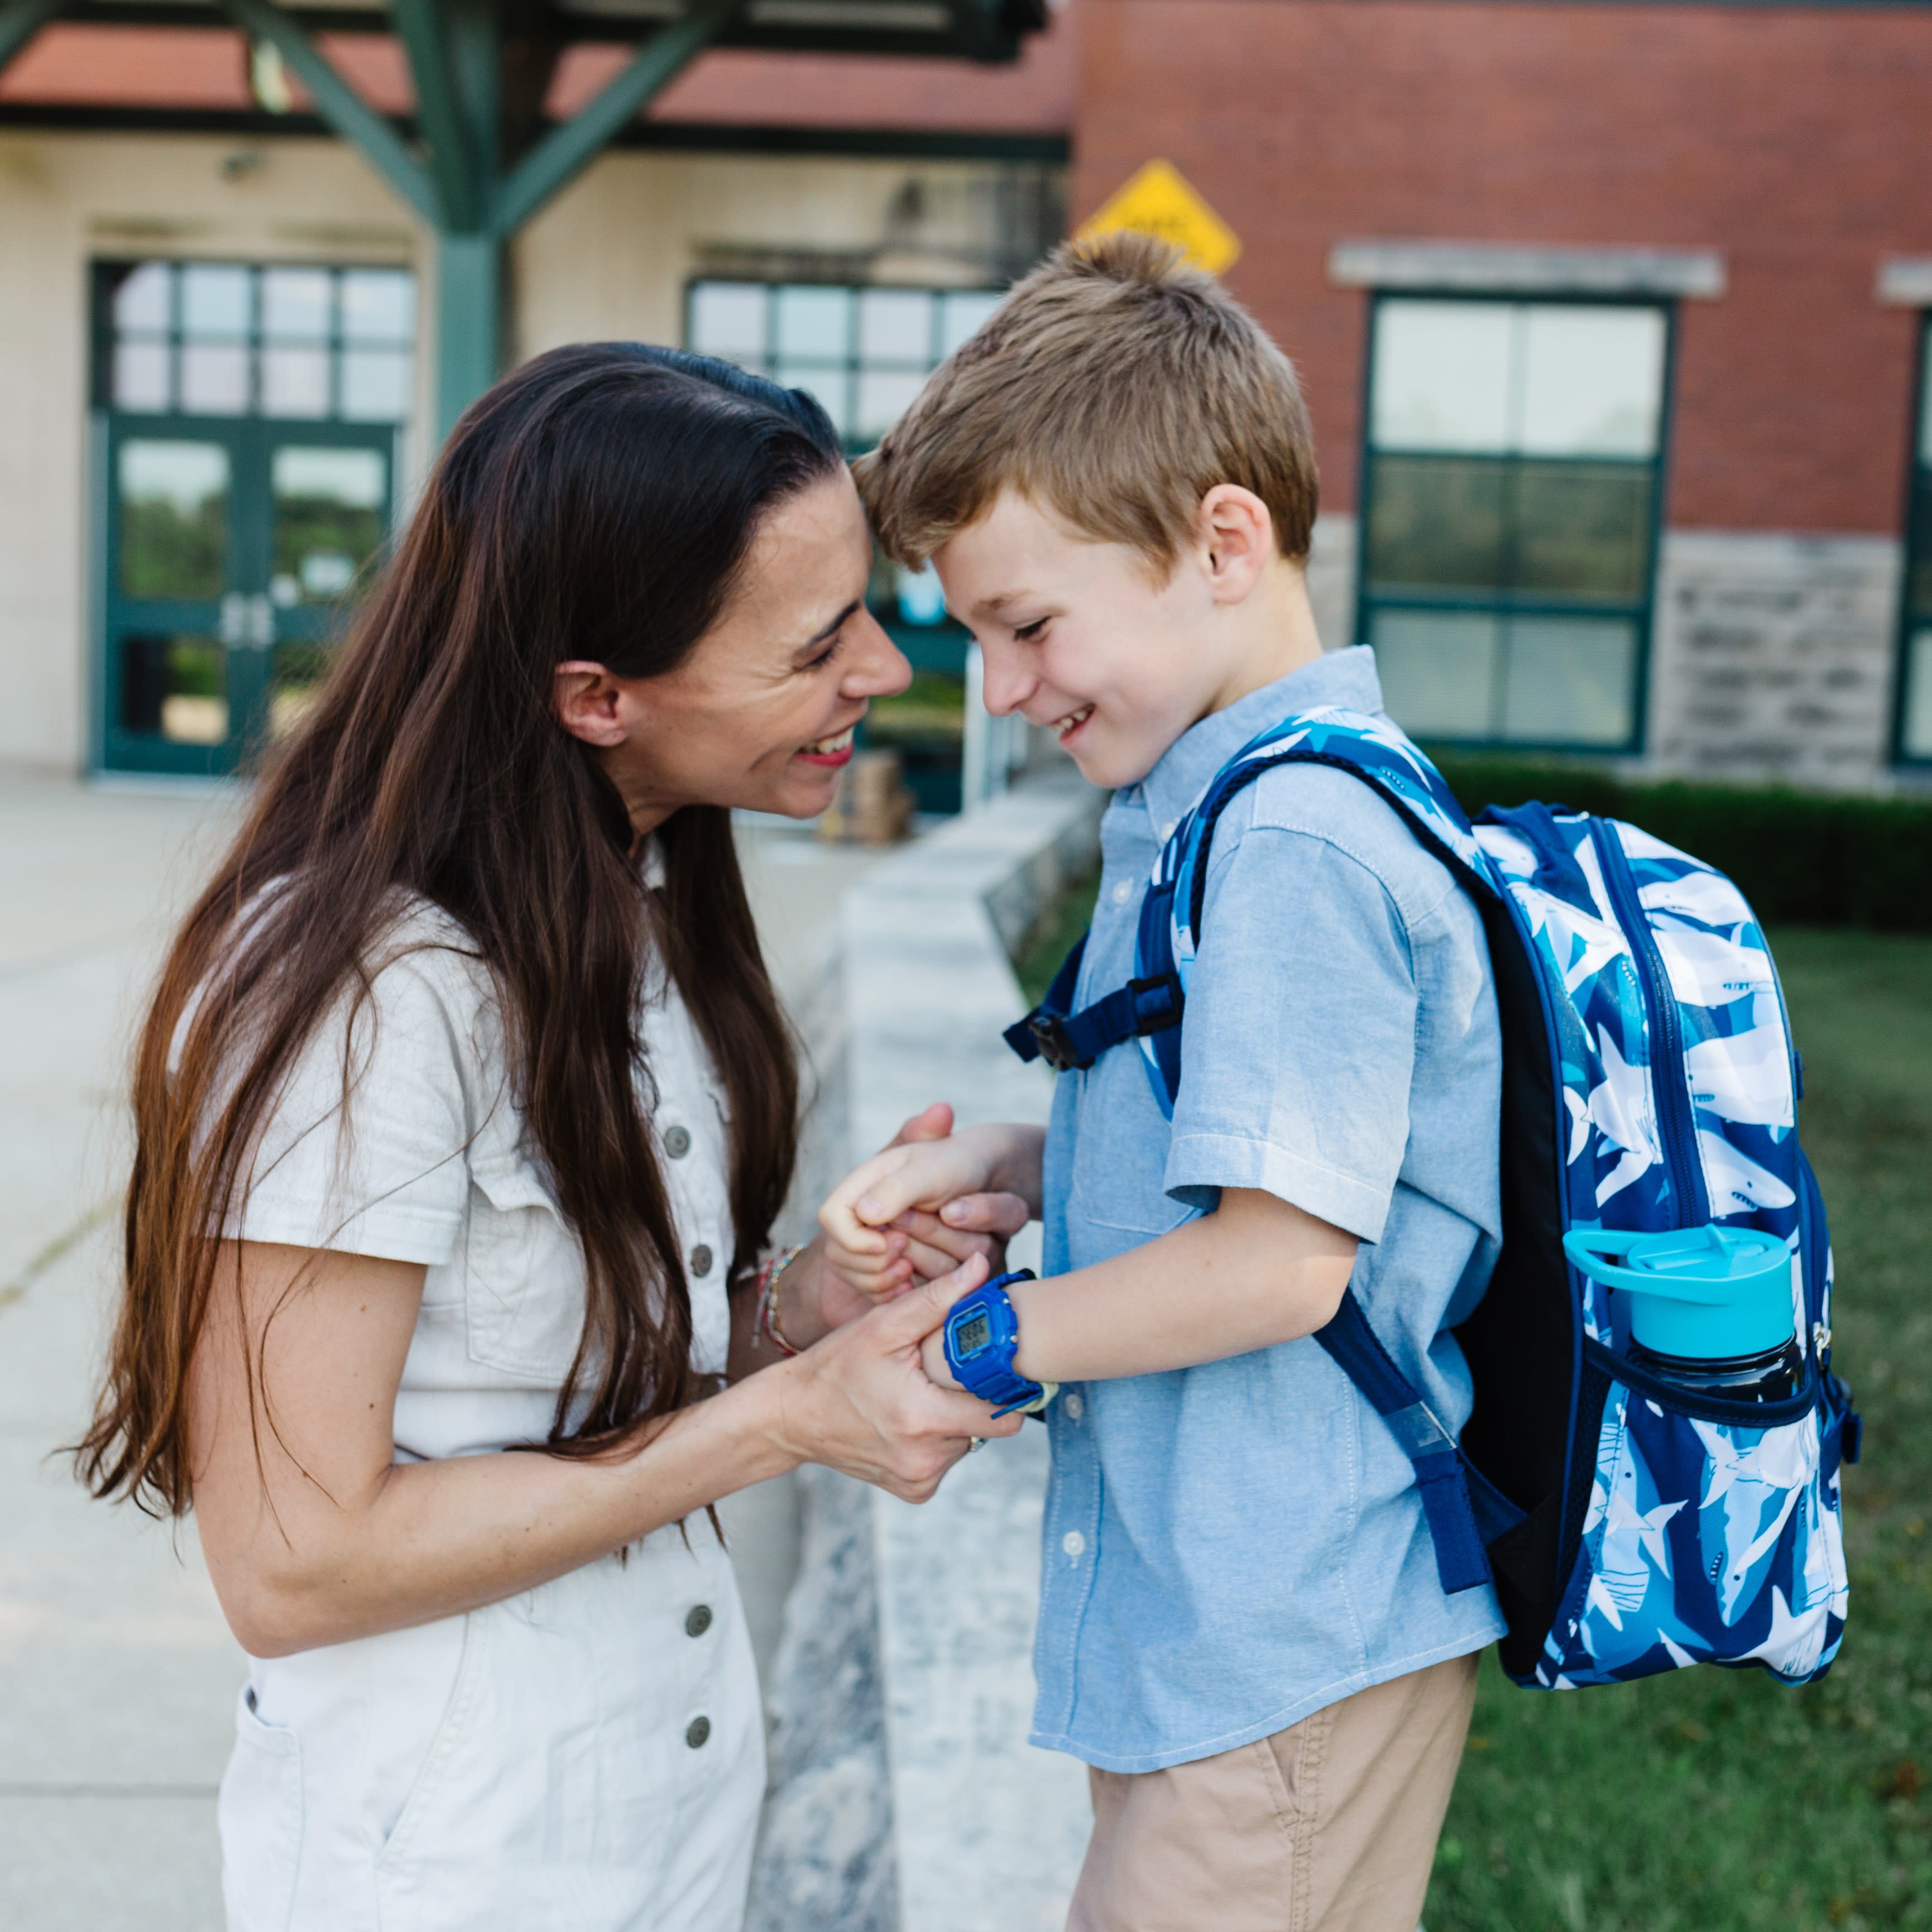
<point>1345,678</point>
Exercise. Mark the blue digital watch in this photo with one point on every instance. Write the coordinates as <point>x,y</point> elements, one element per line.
<point>982,1332</point>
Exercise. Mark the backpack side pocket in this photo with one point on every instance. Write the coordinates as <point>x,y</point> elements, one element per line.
<point>1706,1541</point>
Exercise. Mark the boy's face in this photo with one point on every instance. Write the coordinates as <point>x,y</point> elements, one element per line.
<point>1082,638</point>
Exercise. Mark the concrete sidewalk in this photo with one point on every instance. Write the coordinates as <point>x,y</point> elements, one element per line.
<point>118,1676</point>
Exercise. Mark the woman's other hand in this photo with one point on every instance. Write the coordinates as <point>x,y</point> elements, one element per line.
<point>861,1400</point>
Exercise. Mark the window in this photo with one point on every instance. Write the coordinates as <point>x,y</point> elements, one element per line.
<point>1509,505</point>
<point>228,339</point>
<point>1915,678</point>
<point>864,353</point>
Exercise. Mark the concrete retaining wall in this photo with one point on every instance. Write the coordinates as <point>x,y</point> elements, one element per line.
<point>902,1687</point>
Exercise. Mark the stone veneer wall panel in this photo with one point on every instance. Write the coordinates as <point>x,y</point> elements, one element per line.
<point>1772,657</point>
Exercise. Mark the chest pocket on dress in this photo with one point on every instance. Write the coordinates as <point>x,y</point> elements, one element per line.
<point>522,1279</point>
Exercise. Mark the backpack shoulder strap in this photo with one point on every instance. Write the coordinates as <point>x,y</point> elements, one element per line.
<point>1149,1008</point>
<point>1464,1512</point>
<point>1365,746</point>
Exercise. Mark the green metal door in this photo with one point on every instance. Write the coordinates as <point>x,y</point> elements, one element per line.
<point>329,491</point>
<point>234,549</point>
<point>247,421</point>
<point>174,608</point>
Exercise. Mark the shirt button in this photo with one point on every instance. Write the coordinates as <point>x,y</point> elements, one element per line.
<point>1123,891</point>
<point>698,1620</point>
<point>1167,831</point>
<point>700,1261</point>
<point>1074,1408</point>
<point>696,1732</point>
<point>677,1142</point>
<point>1074,1543</point>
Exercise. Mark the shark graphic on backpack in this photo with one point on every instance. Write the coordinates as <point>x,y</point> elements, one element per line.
<point>1650,1474</point>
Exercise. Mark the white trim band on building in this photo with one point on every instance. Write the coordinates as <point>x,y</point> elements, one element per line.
<point>1905,281</point>
<point>1492,268</point>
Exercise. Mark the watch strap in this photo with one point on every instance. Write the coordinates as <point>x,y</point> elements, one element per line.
<point>988,1373</point>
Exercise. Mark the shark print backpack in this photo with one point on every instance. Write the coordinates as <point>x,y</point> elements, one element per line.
<point>1650,1474</point>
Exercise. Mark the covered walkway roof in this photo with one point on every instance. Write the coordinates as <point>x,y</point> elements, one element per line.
<point>486,145</point>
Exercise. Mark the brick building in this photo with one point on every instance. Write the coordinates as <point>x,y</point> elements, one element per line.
<point>1611,319</point>
<point>1612,316</point>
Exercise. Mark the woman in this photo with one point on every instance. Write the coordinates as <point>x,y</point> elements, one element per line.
<point>464,1098</point>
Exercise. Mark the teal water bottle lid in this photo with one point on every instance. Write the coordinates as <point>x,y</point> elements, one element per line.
<point>1707,1293</point>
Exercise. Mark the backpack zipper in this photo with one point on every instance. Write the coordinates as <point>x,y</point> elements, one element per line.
<point>1677,1127</point>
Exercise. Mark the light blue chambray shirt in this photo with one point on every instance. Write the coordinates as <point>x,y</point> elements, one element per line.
<point>1227,1548</point>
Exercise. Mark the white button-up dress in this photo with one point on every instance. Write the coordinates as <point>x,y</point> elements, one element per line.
<point>587,1756</point>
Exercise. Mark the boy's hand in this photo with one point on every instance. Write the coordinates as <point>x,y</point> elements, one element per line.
<point>932,1359</point>
<point>899,1218</point>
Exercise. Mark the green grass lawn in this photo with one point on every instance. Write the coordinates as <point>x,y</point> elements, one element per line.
<point>1715,1801</point>
<point>1711,1800</point>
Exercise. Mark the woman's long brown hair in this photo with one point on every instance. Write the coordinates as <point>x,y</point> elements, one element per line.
<point>597,505</point>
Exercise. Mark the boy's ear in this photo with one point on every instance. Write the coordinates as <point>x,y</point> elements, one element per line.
<point>590,704</point>
<point>1235,540</point>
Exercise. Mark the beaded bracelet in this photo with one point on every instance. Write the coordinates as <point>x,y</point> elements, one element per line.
<point>767,1319</point>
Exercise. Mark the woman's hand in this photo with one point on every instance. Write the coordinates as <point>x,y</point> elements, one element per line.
<point>861,1401</point>
<point>921,1206</point>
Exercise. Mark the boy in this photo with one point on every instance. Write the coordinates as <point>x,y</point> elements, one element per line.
<point>1241,1630</point>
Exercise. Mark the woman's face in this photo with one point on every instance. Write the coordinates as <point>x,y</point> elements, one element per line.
<point>760,712</point>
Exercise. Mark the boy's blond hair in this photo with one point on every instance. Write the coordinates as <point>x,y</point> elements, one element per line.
<point>1114,387</point>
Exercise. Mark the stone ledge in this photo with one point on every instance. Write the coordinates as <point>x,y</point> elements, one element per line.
<point>1490,268</point>
<point>904,1797</point>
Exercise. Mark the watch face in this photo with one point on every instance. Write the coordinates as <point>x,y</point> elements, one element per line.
<point>972,1335</point>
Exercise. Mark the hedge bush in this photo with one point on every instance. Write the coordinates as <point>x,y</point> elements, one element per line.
<point>1808,858</point>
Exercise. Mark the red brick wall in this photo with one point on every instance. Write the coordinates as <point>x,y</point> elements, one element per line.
<point>1799,143</point>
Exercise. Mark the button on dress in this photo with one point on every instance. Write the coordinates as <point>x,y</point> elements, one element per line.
<point>587,1756</point>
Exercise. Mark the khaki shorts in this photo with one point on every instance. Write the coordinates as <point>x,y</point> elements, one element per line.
<point>1328,1826</point>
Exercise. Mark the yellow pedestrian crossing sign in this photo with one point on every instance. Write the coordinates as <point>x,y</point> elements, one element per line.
<point>1160,200</point>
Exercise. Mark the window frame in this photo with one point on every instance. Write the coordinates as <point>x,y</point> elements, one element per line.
<point>852,365</point>
<point>1641,613</point>
<point>1918,543</point>
<point>105,275</point>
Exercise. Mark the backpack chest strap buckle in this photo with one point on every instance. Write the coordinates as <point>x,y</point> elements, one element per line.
<point>1067,1041</point>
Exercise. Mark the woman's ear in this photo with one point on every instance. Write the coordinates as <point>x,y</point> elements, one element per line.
<point>591,704</point>
<point>1234,539</point>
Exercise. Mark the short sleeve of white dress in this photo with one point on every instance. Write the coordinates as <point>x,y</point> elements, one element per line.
<point>365,1150</point>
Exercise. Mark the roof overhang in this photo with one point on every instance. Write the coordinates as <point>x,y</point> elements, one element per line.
<point>981,30</point>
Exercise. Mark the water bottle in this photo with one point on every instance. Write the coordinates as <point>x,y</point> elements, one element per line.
<point>1771,1375</point>
<point>1710,1307</point>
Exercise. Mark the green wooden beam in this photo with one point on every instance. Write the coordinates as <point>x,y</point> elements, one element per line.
<point>340,105</point>
<point>20,20</point>
<point>571,147</point>
<point>422,25</point>
<point>469,326</point>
